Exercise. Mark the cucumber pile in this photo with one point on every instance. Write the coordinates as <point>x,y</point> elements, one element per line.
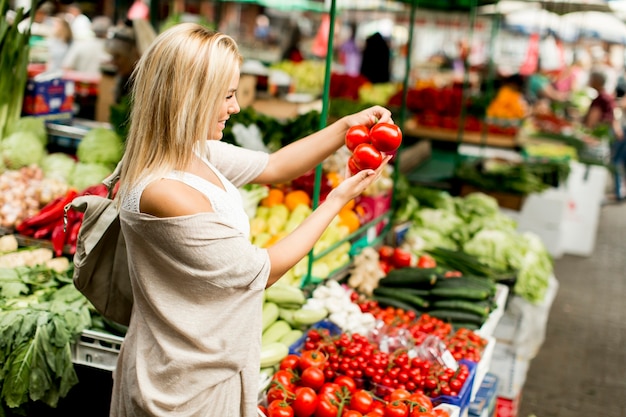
<point>464,300</point>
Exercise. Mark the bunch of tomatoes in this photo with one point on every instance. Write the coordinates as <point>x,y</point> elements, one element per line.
<point>347,375</point>
<point>368,145</point>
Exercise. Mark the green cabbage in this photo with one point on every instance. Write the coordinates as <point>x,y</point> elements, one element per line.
<point>31,124</point>
<point>499,249</point>
<point>533,277</point>
<point>88,174</point>
<point>100,146</point>
<point>476,204</point>
<point>58,165</point>
<point>419,239</point>
<point>21,149</point>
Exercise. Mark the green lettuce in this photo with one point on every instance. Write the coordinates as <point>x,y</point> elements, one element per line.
<point>100,146</point>
<point>58,165</point>
<point>21,149</point>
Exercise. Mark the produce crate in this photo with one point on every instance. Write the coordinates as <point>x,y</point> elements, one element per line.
<point>482,368</point>
<point>96,349</point>
<point>463,399</point>
<point>489,326</point>
<point>334,330</point>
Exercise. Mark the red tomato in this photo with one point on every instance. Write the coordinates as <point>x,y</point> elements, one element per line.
<point>325,407</point>
<point>385,266</point>
<point>385,253</point>
<point>351,413</point>
<point>396,409</point>
<point>278,393</point>
<point>426,261</point>
<point>377,412</point>
<point>357,135</point>
<point>279,408</point>
<point>361,401</point>
<point>441,412</point>
<point>312,377</point>
<point>352,167</point>
<point>366,156</point>
<point>399,394</point>
<point>311,358</point>
<point>386,137</point>
<point>262,409</point>
<point>284,378</point>
<point>305,402</point>
<point>401,258</point>
<point>422,399</point>
<point>346,381</point>
<point>290,362</point>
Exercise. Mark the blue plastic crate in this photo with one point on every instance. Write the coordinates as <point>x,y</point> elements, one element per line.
<point>463,399</point>
<point>332,328</point>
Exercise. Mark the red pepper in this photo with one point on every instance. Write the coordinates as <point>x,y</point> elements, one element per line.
<point>48,214</point>
<point>58,238</point>
<point>72,236</point>
<point>43,231</point>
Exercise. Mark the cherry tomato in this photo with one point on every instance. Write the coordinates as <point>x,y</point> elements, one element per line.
<point>283,377</point>
<point>290,362</point>
<point>386,137</point>
<point>305,403</point>
<point>278,408</point>
<point>312,377</point>
<point>426,261</point>
<point>366,156</point>
<point>396,409</point>
<point>279,393</point>
<point>311,358</point>
<point>361,401</point>
<point>399,394</point>
<point>357,135</point>
<point>385,253</point>
<point>401,258</point>
<point>377,412</point>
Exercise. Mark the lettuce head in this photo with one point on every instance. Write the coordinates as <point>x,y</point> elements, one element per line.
<point>100,146</point>
<point>21,149</point>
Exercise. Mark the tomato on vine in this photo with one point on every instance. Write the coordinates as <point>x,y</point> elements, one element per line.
<point>305,403</point>
<point>361,401</point>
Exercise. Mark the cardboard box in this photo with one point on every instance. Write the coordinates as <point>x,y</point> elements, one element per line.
<point>45,96</point>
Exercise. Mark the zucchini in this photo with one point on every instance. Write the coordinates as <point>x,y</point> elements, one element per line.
<point>291,337</point>
<point>393,302</point>
<point>273,353</point>
<point>402,294</point>
<point>482,308</point>
<point>410,277</point>
<point>270,314</point>
<point>273,333</point>
<point>454,316</point>
<point>305,317</point>
<point>462,292</point>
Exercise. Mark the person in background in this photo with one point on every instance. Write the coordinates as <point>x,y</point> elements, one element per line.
<point>80,23</point>
<point>291,50</point>
<point>350,53</point>
<point>58,42</point>
<point>376,62</point>
<point>194,340</point>
<point>88,55</point>
<point>602,112</point>
<point>125,44</point>
<point>540,90</point>
<point>138,10</point>
<point>42,23</point>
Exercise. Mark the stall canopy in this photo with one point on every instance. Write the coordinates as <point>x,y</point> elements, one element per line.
<point>591,24</point>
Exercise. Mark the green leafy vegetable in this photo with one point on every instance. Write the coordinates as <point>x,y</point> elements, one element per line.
<point>21,149</point>
<point>88,174</point>
<point>100,146</point>
<point>35,125</point>
<point>58,165</point>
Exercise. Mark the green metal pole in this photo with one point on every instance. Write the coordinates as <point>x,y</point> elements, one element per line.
<point>323,121</point>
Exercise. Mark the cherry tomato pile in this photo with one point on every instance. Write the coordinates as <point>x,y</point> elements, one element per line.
<point>307,385</point>
<point>463,344</point>
<point>369,144</point>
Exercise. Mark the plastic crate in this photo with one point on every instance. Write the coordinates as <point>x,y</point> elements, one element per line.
<point>332,328</point>
<point>482,367</point>
<point>463,399</point>
<point>99,350</point>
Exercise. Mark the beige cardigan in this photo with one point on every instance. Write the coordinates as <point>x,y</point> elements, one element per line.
<point>193,344</point>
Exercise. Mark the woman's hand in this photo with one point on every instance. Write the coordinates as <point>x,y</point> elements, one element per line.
<point>355,184</point>
<point>369,117</point>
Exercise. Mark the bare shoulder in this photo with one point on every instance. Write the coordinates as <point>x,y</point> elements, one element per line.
<point>171,198</point>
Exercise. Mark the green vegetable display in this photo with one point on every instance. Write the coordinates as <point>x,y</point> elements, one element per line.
<point>58,165</point>
<point>100,146</point>
<point>41,313</point>
<point>32,124</point>
<point>87,174</point>
<point>21,149</point>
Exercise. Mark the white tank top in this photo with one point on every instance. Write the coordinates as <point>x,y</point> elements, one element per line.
<point>227,202</point>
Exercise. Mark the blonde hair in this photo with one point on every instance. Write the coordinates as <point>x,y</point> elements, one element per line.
<point>179,86</point>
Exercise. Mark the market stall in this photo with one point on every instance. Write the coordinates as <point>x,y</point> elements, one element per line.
<point>415,297</point>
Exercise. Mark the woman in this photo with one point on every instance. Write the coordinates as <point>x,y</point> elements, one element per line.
<point>58,43</point>
<point>193,343</point>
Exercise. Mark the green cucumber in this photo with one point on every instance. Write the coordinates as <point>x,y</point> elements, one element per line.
<point>394,302</point>
<point>462,292</point>
<point>454,316</point>
<point>482,308</point>
<point>403,295</point>
<point>410,277</point>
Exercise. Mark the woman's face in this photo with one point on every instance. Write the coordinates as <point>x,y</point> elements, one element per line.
<point>229,105</point>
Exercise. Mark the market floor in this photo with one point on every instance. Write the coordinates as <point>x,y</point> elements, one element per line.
<point>580,369</point>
